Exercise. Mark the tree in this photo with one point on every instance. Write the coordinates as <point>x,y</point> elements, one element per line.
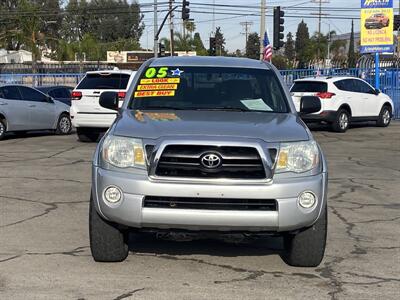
<point>351,57</point>
<point>302,44</point>
<point>182,42</point>
<point>190,26</point>
<point>290,53</point>
<point>198,45</point>
<point>280,62</point>
<point>220,41</point>
<point>253,46</point>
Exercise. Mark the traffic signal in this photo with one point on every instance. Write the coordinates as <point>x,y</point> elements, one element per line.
<point>278,27</point>
<point>213,46</point>
<point>396,24</point>
<point>161,50</point>
<point>185,10</point>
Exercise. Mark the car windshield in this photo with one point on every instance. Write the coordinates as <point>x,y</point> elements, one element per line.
<point>104,81</point>
<point>209,88</point>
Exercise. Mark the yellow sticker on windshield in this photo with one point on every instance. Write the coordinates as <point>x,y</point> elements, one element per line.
<point>157,87</point>
<point>155,94</point>
<point>160,80</point>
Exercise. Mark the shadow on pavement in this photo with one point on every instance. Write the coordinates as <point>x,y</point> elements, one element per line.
<point>228,246</point>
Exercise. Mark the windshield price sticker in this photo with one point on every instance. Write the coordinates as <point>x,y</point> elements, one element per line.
<point>160,80</point>
<point>157,87</point>
<point>170,93</point>
<point>156,73</point>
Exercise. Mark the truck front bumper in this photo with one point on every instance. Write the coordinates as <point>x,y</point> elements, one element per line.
<point>130,211</point>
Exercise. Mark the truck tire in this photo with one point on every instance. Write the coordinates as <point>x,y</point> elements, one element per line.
<point>107,242</point>
<point>385,117</point>
<point>342,121</point>
<point>3,129</point>
<point>307,248</point>
<point>87,135</point>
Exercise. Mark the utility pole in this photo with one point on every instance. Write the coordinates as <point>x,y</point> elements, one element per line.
<point>246,26</point>
<point>171,28</point>
<point>155,30</point>
<point>262,28</point>
<point>319,28</point>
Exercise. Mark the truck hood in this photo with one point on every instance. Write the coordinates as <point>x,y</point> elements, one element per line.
<point>270,127</point>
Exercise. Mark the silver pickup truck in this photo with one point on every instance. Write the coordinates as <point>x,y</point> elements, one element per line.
<point>209,144</point>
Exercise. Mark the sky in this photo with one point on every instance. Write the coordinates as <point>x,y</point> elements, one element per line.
<point>230,25</point>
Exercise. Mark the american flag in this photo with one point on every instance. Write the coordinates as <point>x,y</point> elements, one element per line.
<point>267,55</point>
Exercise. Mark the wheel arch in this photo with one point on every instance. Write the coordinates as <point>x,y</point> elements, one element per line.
<point>3,118</point>
<point>346,107</point>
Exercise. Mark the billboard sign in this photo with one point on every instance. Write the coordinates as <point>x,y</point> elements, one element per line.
<point>376,26</point>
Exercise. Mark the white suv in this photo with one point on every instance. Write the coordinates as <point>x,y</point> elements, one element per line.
<point>89,118</point>
<point>343,100</point>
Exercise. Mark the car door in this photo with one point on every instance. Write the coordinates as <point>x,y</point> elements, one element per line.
<point>351,96</point>
<point>371,105</point>
<point>42,110</point>
<point>16,111</point>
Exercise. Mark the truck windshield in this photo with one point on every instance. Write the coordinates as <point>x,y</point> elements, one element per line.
<point>209,88</point>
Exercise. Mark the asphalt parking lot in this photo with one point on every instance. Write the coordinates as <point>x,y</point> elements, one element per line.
<point>44,245</point>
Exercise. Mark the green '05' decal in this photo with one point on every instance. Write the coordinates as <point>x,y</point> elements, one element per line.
<point>153,72</point>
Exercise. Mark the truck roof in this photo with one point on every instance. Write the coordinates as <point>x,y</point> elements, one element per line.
<point>210,61</point>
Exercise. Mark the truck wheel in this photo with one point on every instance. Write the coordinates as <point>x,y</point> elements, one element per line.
<point>107,242</point>
<point>64,125</point>
<point>3,129</point>
<point>385,116</point>
<point>342,121</point>
<point>87,135</point>
<point>307,248</point>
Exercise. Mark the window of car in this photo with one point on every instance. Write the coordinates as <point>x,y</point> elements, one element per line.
<point>309,87</point>
<point>345,85</point>
<point>58,93</point>
<point>363,87</point>
<point>10,92</point>
<point>29,94</point>
<point>209,88</point>
<point>104,81</point>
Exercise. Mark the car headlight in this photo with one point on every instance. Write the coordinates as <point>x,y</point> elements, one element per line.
<point>123,152</point>
<point>298,157</point>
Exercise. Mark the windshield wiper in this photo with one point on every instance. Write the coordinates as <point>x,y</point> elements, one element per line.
<point>226,108</point>
<point>159,108</point>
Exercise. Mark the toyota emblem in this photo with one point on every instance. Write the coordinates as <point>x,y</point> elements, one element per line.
<point>211,160</point>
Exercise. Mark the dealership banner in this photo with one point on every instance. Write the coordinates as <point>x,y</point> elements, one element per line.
<point>376,26</point>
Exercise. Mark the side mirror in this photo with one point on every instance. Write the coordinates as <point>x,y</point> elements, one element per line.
<point>109,100</point>
<point>377,91</point>
<point>310,104</point>
<point>49,99</point>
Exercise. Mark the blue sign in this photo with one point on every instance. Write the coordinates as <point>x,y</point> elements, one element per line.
<point>376,3</point>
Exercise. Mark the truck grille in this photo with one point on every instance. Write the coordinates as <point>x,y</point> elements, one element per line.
<point>188,161</point>
<point>210,203</point>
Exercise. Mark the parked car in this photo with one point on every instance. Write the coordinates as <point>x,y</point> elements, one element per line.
<point>209,144</point>
<point>344,100</point>
<point>377,21</point>
<point>58,92</point>
<point>24,109</point>
<point>89,118</point>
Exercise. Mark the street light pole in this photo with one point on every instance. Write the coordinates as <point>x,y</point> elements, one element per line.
<point>262,28</point>
<point>155,30</point>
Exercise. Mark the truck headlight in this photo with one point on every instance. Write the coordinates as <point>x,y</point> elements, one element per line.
<point>298,157</point>
<point>123,152</point>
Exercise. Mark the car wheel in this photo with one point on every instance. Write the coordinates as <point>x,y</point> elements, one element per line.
<point>307,248</point>
<point>107,242</point>
<point>87,135</point>
<point>64,125</point>
<point>342,121</point>
<point>385,116</point>
<point>3,129</point>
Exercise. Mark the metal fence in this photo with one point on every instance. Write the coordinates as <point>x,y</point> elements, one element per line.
<point>389,78</point>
